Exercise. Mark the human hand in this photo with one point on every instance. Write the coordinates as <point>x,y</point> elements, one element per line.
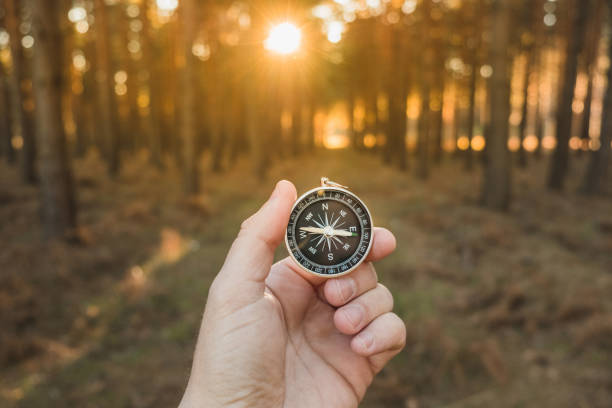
<point>276,336</point>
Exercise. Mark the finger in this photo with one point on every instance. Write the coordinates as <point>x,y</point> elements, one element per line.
<point>383,243</point>
<point>249,259</point>
<point>381,340</point>
<point>357,314</point>
<point>339,291</point>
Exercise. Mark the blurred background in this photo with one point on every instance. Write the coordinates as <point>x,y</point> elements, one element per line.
<point>135,135</point>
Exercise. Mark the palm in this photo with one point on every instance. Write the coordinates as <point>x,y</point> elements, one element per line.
<point>320,367</point>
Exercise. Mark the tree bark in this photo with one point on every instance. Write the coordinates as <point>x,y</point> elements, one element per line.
<point>296,110</point>
<point>20,116</point>
<point>56,184</point>
<point>107,103</point>
<point>592,46</point>
<point>496,187</point>
<point>599,164</point>
<point>469,156</point>
<point>5,119</point>
<point>153,123</point>
<point>522,153</point>
<point>560,159</point>
<point>397,91</point>
<point>187,118</point>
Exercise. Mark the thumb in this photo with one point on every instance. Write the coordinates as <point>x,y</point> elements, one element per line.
<point>242,277</point>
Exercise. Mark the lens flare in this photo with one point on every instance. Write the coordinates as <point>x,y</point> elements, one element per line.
<point>284,38</point>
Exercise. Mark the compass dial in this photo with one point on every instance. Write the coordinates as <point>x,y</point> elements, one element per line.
<point>329,231</point>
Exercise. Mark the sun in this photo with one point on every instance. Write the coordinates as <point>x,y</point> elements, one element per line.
<point>284,38</point>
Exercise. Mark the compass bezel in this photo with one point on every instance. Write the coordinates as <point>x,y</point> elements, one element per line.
<point>371,228</point>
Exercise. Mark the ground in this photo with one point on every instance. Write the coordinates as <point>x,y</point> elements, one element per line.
<point>502,309</point>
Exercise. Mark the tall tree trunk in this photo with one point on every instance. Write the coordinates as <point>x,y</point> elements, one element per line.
<point>21,117</point>
<point>187,119</point>
<point>590,55</point>
<point>56,184</point>
<point>456,131</point>
<point>395,148</point>
<point>438,124</point>
<point>496,186</point>
<point>6,125</point>
<point>469,155</point>
<point>599,164</point>
<point>425,90</point>
<point>296,110</point>
<point>153,123</point>
<point>107,103</point>
<point>522,153</point>
<point>350,112</point>
<point>560,160</point>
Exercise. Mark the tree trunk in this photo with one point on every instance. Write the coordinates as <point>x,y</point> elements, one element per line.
<point>438,124</point>
<point>56,184</point>
<point>350,112</point>
<point>469,156</point>
<point>296,110</point>
<point>592,46</point>
<point>5,119</point>
<point>522,153</point>
<point>20,117</point>
<point>107,103</point>
<point>395,148</point>
<point>560,160</point>
<point>496,187</point>
<point>599,164</point>
<point>153,123</point>
<point>187,119</point>
<point>425,88</point>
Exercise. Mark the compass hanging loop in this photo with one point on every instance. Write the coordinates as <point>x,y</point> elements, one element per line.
<point>325,182</point>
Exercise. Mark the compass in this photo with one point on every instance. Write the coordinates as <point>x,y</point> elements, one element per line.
<point>330,230</point>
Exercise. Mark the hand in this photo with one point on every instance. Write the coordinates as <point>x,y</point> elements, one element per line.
<point>275,336</point>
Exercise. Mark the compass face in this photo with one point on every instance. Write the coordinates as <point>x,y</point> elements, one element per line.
<point>329,231</point>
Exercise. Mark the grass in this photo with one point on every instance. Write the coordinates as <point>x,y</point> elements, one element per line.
<point>505,310</point>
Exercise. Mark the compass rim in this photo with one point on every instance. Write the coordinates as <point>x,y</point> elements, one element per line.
<point>365,254</point>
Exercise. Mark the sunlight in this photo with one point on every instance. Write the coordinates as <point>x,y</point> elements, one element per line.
<point>167,5</point>
<point>284,38</point>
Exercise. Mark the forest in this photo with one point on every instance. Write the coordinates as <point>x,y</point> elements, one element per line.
<point>136,135</point>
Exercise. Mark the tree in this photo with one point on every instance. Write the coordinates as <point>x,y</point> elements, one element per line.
<point>107,104</point>
<point>560,160</point>
<point>496,186</point>
<point>6,147</point>
<point>590,55</point>
<point>20,116</point>
<point>187,118</point>
<point>600,159</point>
<point>153,123</point>
<point>56,184</point>
<point>397,91</point>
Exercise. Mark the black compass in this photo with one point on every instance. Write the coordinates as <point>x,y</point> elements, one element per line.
<point>329,231</point>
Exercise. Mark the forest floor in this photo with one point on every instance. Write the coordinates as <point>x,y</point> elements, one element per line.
<point>502,310</point>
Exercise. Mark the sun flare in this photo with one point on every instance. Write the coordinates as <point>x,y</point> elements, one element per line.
<point>284,38</point>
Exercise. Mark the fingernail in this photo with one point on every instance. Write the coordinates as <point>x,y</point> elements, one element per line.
<point>366,340</point>
<point>353,314</point>
<point>346,288</point>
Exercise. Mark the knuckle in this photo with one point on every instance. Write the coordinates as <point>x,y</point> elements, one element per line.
<point>400,329</point>
<point>386,295</point>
